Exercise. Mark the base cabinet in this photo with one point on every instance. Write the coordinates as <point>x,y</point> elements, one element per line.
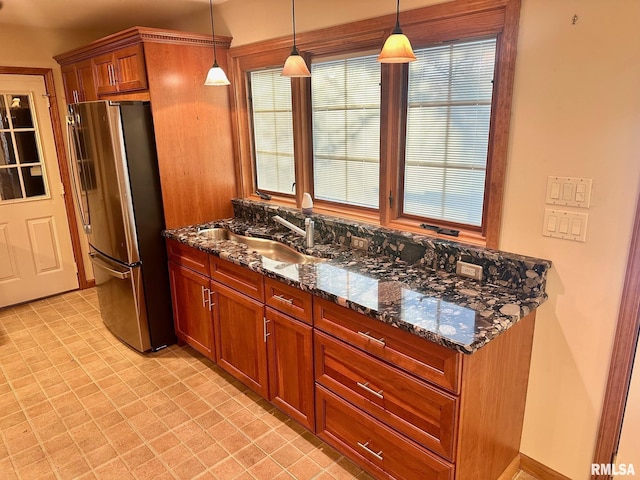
<point>192,309</point>
<point>400,406</point>
<point>240,334</point>
<point>290,346</point>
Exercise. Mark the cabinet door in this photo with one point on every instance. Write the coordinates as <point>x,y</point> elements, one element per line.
<point>240,334</point>
<point>104,74</point>
<point>130,68</point>
<point>192,311</point>
<point>70,82</point>
<point>290,347</point>
<point>84,72</point>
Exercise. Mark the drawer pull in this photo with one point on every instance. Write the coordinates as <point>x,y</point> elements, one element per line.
<point>365,386</point>
<point>366,335</point>
<point>284,299</point>
<point>365,446</point>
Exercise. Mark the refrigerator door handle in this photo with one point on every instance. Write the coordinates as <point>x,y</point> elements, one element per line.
<point>102,265</point>
<point>73,162</point>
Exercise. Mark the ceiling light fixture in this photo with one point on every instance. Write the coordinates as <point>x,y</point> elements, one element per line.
<point>397,48</point>
<point>216,75</point>
<point>295,65</point>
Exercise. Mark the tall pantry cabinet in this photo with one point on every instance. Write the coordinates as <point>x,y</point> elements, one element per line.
<point>192,121</point>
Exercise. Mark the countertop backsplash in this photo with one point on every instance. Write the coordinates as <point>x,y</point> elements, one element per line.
<point>527,275</point>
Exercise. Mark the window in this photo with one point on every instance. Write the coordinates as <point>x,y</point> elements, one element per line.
<point>346,130</point>
<point>272,131</point>
<point>449,110</point>
<point>399,145</point>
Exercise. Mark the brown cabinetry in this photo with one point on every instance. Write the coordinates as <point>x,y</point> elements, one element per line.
<point>192,121</point>
<point>241,341</point>
<point>120,71</point>
<point>192,306</point>
<point>78,82</point>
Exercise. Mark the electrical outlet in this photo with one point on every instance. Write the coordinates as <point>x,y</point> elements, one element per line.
<point>359,243</point>
<point>469,270</point>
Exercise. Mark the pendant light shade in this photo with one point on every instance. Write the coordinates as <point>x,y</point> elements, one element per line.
<point>397,48</point>
<point>215,76</point>
<point>295,66</point>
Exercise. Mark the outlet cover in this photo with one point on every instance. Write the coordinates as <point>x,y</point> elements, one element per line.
<point>469,270</point>
<point>359,243</point>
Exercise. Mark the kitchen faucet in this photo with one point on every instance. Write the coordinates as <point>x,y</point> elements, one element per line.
<point>307,233</point>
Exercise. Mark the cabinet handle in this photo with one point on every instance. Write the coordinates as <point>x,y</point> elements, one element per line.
<point>206,299</point>
<point>366,335</point>
<point>211,303</point>
<point>75,96</point>
<point>284,299</point>
<point>365,446</point>
<point>365,386</point>
<point>112,75</point>
<point>266,334</point>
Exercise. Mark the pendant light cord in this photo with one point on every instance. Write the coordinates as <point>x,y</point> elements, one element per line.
<point>397,29</point>
<point>213,34</point>
<point>293,10</point>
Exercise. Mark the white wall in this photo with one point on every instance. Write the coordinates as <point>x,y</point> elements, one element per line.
<point>576,113</point>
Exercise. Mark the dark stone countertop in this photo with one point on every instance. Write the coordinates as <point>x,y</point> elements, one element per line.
<point>449,310</point>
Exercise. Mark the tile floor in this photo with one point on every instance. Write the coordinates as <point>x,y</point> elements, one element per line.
<point>75,403</point>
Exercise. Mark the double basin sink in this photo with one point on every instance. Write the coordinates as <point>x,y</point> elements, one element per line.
<point>268,248</point>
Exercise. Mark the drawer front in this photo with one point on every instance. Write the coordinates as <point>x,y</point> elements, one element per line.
<point>425,359</point>
<point>376,447</point>
<point>289,300</point>
<point>420,411</point>
<point>189,257</point>
<point>239,278</point>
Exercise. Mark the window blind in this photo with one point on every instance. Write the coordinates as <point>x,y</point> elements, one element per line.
<point>272,131</point>
<point>346,130</point>
<point>449,109</point>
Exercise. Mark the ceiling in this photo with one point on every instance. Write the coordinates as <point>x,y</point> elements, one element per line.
<point>97,14</point>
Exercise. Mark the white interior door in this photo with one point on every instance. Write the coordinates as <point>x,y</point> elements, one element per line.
<point>36,256</point>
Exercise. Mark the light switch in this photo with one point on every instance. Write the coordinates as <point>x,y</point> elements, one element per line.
<point>563,224</point>
<point>569,191</point>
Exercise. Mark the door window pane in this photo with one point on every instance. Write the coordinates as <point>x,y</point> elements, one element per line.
<point>27,147</point>
<point>9,184</point>
<point>7,155</point>
<point>33,181</point>
<point>346,130</point>
<point>448,118</point>
<point>272,131</point>
<point>20,111</point>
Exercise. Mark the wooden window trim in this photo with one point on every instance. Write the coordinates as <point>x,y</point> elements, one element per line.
<point>424,26</point>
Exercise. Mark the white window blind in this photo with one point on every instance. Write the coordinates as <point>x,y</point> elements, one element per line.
<point>272,131</point>
<point>346,130</point>
<point>449,109</point>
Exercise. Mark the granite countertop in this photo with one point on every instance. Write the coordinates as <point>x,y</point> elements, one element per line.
<point>449,310</point>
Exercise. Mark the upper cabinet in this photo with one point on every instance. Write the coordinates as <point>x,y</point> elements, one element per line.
<point>120,71</point>
<point>192,121</point>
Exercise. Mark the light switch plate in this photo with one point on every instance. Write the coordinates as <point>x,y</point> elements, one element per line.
<point>569,191</point>
<point>567,225</point>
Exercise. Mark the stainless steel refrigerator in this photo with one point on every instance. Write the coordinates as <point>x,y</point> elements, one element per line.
<point>117,186</point>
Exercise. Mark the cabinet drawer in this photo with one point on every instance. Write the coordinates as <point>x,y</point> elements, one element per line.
<point>371,444</point>
<point>420,411</point>
<point>239,278</point>
<point>288,300</point>
<point>425,359</point>
<point>188,256</point>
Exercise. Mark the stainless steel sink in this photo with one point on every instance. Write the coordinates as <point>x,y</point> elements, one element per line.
<point>268,248</point>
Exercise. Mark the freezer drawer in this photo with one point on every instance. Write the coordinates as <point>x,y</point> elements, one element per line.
<point>121,299</point>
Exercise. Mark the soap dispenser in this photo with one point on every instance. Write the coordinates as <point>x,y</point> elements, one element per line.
<point>307,204</point>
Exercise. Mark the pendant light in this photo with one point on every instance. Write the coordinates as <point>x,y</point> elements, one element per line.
<point>216,75</point>
<point>397,48</point>
<point>295,65</point>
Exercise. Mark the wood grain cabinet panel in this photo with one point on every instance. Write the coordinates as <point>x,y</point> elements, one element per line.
<point>240,334</point>
<point>192,310</point>
<point>290,348</point>
<point>120,71</point>
<point>189,257</point>
<point>79,85</point>
<point>289,300</point>
<point>239,278</point>
<point>425,359</point>
<point>368,442</point>
<point>411,406</point>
